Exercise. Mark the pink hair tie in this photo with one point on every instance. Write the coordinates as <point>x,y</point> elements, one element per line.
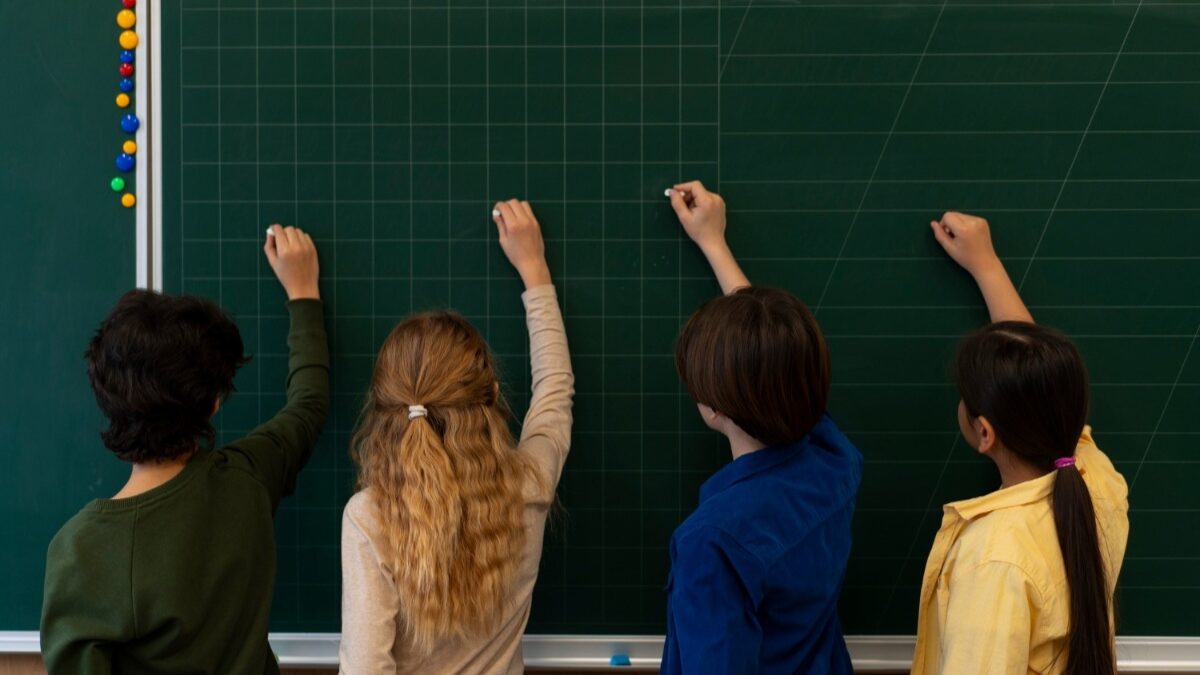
<point>1064,462</point>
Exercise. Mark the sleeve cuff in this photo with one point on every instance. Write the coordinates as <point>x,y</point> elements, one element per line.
<point>537,293</point>
<point>306,337</point>
<point>306,310</point>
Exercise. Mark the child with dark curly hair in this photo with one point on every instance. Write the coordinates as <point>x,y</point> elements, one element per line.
<point>175,573</point>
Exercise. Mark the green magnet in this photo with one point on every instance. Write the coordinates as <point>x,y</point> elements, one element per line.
<point>117,184</point>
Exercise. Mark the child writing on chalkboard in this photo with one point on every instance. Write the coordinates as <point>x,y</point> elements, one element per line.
<point>440,548</point>
<point>1021,580</point>
<point>175,573</point>
<point>756,570</point>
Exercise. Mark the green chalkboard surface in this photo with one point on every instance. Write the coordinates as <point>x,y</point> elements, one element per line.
<point>834,130</point>
<point>67,254</point>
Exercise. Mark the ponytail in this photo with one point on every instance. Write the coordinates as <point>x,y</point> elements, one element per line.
<point>429,505</point>
<point>1031,384</point>
<point>1089,631</point>
<point>434,447</point>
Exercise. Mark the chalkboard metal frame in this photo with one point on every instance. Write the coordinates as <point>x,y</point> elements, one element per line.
<point>880,653</point>
<point>149,180</point>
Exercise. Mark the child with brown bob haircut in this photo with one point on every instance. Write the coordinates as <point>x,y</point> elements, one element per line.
<point>757,569</point>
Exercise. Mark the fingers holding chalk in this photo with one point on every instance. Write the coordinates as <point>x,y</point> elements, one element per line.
<point>684,195</point>
<point>680,204</point>
<point>498,218</point>
<point>269,245</point>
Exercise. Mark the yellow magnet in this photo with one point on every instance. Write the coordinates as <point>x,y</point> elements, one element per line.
<point>122,100</point>
<point>129,40</point>
<point>129,148</point>
<point>126,18</point>
<point>128,200</point>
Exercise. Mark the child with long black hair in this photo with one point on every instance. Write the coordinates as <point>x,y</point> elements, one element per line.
<point>1021,580</point>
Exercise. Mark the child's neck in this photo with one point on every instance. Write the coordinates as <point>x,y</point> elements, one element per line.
<point>741,443</point>
<point>144,477</point>
<point>1013,471</point>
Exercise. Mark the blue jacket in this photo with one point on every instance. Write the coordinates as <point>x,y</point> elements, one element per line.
<point>757,569</point>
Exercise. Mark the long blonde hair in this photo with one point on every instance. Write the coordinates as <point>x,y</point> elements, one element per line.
<point>448,486</point>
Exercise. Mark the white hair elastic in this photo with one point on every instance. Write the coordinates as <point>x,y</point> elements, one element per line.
<point>415,411</point>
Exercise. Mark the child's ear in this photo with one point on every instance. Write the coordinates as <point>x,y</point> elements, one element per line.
<point>986,434</point>
<point>216,407</point>
<point>711,417</point>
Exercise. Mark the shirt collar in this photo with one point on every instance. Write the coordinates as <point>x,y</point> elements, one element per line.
<point>1020,494</point>
<point>748,465</point>
<point>1030,491</point>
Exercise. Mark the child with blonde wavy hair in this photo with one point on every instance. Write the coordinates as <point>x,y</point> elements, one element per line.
<point>441,545</point>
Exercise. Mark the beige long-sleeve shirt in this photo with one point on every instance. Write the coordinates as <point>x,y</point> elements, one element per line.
<point>372,643</point>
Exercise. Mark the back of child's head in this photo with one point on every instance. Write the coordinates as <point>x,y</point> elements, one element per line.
<point>758,357</point>
<point>435,448</point>
<point>158,364</point>
<point>1030,383</point>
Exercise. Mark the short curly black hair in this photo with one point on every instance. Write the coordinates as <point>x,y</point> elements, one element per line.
<point>158,364</point>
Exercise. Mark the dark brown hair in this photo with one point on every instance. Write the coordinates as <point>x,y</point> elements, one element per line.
<point>1030,383</point>
<point>158,363</point>
<point>758,357</point>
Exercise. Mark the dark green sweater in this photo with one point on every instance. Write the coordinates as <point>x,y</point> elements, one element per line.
<point>179,579</point>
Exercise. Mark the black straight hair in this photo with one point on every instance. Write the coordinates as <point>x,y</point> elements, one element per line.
<point>1031,384</point>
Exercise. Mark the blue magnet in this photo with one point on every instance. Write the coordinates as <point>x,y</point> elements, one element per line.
<point>619,660</point>
<point>125,163</point>
<point>130,124</point>
<point>127,56</point>
<point>126,85</point>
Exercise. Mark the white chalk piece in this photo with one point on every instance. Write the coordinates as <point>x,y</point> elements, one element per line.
<point>495,213</point>
<point>270,232</point>
<point>667,192</point>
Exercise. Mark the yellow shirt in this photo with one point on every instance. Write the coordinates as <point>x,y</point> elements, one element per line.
<point>994,598</point>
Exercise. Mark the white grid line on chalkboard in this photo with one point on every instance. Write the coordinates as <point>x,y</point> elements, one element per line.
<point>258,260</point>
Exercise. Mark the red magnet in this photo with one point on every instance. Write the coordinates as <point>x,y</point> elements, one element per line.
<point>126,70</point>
<point>129,4</point>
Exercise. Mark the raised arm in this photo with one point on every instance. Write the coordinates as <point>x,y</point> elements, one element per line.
<point>546,434</point>
<point>702,214</point>
<point>277,450</point>
<point>969,242</point>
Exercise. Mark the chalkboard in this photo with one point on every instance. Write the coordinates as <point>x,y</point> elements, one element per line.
<point>67,254</point>
<point>836,131</point>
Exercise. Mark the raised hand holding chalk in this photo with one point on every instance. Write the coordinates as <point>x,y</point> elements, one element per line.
<point>521,240</point>
<point>293,257</point>
<point>701,212</point>
<point>967,239</point>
